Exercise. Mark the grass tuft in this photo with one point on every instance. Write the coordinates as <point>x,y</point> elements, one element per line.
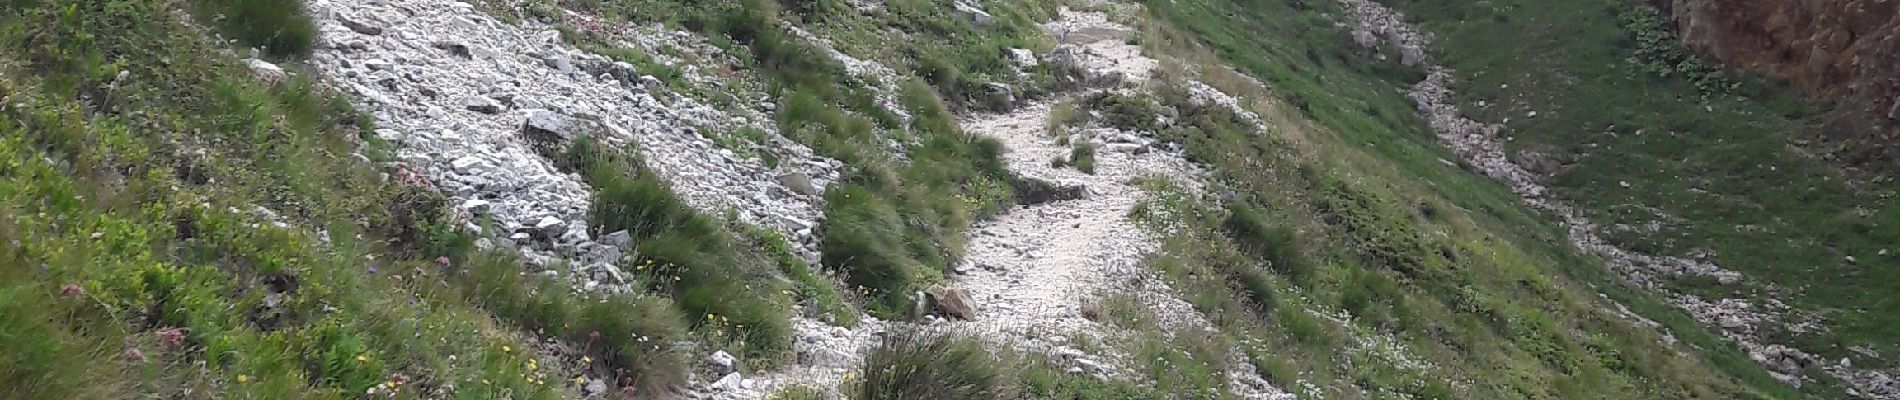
<point>924,365</point>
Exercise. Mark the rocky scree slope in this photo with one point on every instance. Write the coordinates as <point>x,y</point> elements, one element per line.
<point>469,99</point>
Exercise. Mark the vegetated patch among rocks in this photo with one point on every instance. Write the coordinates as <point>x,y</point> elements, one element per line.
<point>460,92</point>
<point>1481,145</point>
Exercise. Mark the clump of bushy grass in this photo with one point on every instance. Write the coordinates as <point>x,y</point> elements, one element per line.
<point>1083,156</point>
<point>280,28</point>
<point>912,364</point>
<point>686,253</point>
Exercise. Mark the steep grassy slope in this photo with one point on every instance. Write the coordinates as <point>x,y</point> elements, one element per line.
<point>1678,159</point>
<point>177,226</point>
<point>1468,276</point>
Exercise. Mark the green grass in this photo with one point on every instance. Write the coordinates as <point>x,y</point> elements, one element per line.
<point>1444,260</point>
<point>1082,154</point>
<point>278,27</point>
<point>686,254</point>
<point>134,264</point>
<point>135,267</point>
<point>1717,156</point>
<point>919,365</point>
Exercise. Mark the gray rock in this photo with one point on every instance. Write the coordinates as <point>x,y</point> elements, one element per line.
<point>482,104</point>
<point>1130,148</point>
<point>267,72</point>
<point>999,96</point>
<point>358,25</point>
<point>722,363</point>
<point>651,84</point>
<point>594,387</point>
<point>466,164</point>
<point>559,62</point>
<point>548,125</point>
<point>550,227</point>
<point>459,49</point>
<point>975,13</point>
<point>1067,57</point>
<point>1022,58</point>
<point>729,382</point>
<point>618,239</point>
<point>477,206</point>
<point>799,183</point>
<point>377,64</point>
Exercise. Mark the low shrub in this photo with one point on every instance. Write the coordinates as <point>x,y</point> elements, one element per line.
<point>1273,243</point>
<point>923,365</point>
<point>1083,156</point>
<point>635,334</point>
<point>280,28</point>
<point>687,254</point>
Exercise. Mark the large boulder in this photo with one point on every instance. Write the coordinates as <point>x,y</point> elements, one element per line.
<point>953,302</point>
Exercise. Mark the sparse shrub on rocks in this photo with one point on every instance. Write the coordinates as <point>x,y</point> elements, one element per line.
<point>687,254</point>
<point>1083,156</point>
<point>634,334</point>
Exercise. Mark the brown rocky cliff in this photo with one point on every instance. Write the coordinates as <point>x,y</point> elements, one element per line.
<point>1839,49</point>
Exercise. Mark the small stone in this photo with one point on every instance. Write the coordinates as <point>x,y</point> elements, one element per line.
<point>722,363</point>
<point>477,206</point>
<point>456,48</point>
<point>594,387</point>
<point>376,64</point>
<point>550,226</point>
<point>359,25</point>
<point>267,72</point>
<point>466,164</point>
<point>1022,58</point>
<point>799,183</point>
<point>482,104</point>
<point>618,239</point>
<point>729,382</point>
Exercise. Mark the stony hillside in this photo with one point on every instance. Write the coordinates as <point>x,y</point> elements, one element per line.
<point>912,199</point>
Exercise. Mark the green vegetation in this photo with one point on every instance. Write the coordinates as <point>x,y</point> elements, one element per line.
<point>913,364</point>
<point>1347,208</point>
<point>944,47</point>
<point>921,365</point>
<point>686,254</point>
<point>891,228</point>
<point>181,229</point>
<point>1082,154</point>
<point>278,27</point>
<point>136,265</point>
<point>1717,165</point>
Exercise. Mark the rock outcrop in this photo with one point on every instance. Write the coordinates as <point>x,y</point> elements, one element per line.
<point>1847,50</point>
